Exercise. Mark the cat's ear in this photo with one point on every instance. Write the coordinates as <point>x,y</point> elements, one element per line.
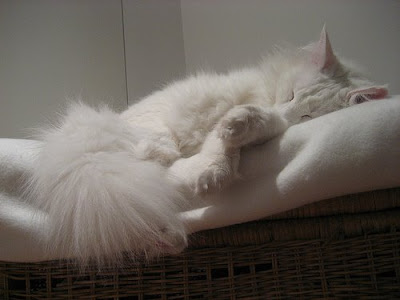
<point>365,94</point>
<point>322,55</point>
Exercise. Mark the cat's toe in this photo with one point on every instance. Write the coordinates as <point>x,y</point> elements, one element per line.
<point>213,179</point>
<point>234,127</point>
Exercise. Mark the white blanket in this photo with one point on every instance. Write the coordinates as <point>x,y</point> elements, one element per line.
<point>349,151</point>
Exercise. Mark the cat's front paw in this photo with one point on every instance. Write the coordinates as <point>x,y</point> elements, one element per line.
<point>236,124</point>
<point>213,178</point>
<point>204,173</point>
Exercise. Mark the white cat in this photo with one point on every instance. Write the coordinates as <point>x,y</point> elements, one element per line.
<point>114,183</point>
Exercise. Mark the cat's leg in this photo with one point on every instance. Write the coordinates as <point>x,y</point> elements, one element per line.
<point>241,126</point>
<point>217,163</point>
<point>159,147</point>
<point>250,124</point>
<point>210,169</point>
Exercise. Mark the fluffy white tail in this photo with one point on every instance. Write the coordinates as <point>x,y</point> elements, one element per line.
<point>101,200</point>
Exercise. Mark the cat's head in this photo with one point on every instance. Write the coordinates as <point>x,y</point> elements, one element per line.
<point>312,82</point>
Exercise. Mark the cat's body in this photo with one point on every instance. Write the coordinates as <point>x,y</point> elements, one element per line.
<point>288,87</point>
<point>100,193</point>
<point>199,102</point>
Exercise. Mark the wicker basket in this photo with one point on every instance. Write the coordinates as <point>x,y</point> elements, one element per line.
<point>346,248</point>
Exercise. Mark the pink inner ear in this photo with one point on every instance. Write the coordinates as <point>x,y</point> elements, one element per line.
<point>322,54</point>
<point>372,93</point>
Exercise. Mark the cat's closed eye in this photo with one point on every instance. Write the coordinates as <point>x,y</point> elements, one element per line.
<point>306,117</point>
<point>291,96</point>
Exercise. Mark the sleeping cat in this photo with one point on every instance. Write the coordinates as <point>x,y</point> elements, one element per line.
<point>113,183</point>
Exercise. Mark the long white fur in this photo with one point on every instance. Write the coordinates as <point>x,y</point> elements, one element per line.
<point>104,178</point>
<point>102,200</point>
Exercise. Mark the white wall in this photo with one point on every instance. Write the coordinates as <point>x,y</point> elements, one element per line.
<point>154,45</point>
<point>53,49</point>
<point>118,51</point>
<point>226,33</point>
<point>103,50</point>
